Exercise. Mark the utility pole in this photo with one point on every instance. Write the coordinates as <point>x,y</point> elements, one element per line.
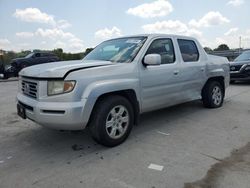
<point>239,44</point>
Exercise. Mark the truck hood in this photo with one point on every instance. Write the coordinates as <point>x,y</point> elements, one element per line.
<point>60,69</point>
<point>18,60</point>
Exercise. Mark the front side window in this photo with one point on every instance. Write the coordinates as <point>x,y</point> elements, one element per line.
<point>29,55</point>
<point>122,50</point>
<point>163,47</point>
<point>189,50</point>
<point>38,55</point>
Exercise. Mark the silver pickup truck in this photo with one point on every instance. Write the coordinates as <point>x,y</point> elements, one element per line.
<point>119,80</point>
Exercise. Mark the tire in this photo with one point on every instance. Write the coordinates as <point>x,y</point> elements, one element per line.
<point>213,95</point>
<point>5,76</point>
<point>16,74</point>
<point>24,65</point>
<point>107,126</point>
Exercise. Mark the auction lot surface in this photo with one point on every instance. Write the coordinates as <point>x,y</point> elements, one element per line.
<point>186,140</point>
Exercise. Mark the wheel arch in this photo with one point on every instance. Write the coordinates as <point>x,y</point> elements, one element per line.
<point>129,94</point>
<point>219,79</point>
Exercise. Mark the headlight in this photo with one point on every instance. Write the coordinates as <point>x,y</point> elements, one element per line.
<point>247,68</point>
<point>60,87</point>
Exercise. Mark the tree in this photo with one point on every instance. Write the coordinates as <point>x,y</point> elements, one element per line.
<point>207,49</point>
<point>222,47</point>
<point>87,51</point>
<point>59,53</point>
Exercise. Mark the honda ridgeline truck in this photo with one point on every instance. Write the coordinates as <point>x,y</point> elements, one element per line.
<point>119,80</point>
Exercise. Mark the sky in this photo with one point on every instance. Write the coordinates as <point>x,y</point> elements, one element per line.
<point>76,25</point>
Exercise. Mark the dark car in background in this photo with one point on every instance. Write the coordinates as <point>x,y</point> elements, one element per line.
<point>240,68</point>
<point>32,59</point>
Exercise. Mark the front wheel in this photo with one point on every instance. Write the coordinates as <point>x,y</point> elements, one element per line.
<point>213,95</point>
<point>111,120</point>
<point>5,76</point>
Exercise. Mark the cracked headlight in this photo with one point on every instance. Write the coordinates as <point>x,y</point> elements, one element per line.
<point>60,87</point>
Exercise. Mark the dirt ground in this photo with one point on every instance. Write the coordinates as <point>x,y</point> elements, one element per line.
<point>231,172</point>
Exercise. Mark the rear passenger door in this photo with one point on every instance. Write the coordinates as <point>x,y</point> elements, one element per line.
<point>192,69</point>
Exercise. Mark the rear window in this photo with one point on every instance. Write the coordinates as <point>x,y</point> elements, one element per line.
<point>43,54</point>
<point>47,55</point>
<point>189,50</point>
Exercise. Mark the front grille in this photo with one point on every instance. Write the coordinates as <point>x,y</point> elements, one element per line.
<point>235,67</point>
<point>29,88</point>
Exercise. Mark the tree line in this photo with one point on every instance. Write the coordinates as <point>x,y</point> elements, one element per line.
<point>221,47</point>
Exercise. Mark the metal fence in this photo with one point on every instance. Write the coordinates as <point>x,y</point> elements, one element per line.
<point>229,54</point>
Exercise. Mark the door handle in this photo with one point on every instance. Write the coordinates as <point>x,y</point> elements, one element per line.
<point>176,72</point>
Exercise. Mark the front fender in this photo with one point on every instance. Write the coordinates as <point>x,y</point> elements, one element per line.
<point>98,88</point>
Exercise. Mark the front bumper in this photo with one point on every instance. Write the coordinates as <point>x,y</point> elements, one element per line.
<point>240,76</point>
<point>241,73</point>
<point>55,115</point>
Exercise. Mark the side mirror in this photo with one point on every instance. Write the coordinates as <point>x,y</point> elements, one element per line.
<point>152,59</point>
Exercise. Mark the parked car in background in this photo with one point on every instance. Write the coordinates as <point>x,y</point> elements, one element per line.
<point>32,59</point>
<point>240,68</point>
<point>119,80</point>
<point>1,70</point>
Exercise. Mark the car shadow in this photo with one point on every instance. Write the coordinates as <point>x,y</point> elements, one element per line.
<point>39,140</point>
<point>52,147</point>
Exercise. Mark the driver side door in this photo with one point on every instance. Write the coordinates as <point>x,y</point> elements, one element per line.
<point>160,83</point>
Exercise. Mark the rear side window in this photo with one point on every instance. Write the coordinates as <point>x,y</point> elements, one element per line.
<point>189,50</point>
<point>51,55</point>
<point>47,55</point>
<point>43,55</point>
<point>163,47</point>
<point>38,55</point>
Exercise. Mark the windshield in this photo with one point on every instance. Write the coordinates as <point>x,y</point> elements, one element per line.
<point>122,50</point>
<point>245,56</point>
<point>29,55</point>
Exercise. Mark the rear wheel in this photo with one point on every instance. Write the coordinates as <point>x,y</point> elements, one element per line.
<point>111,120</point>
<point>5,76</point>
<point>23,65</point>
<point>213,94</point>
